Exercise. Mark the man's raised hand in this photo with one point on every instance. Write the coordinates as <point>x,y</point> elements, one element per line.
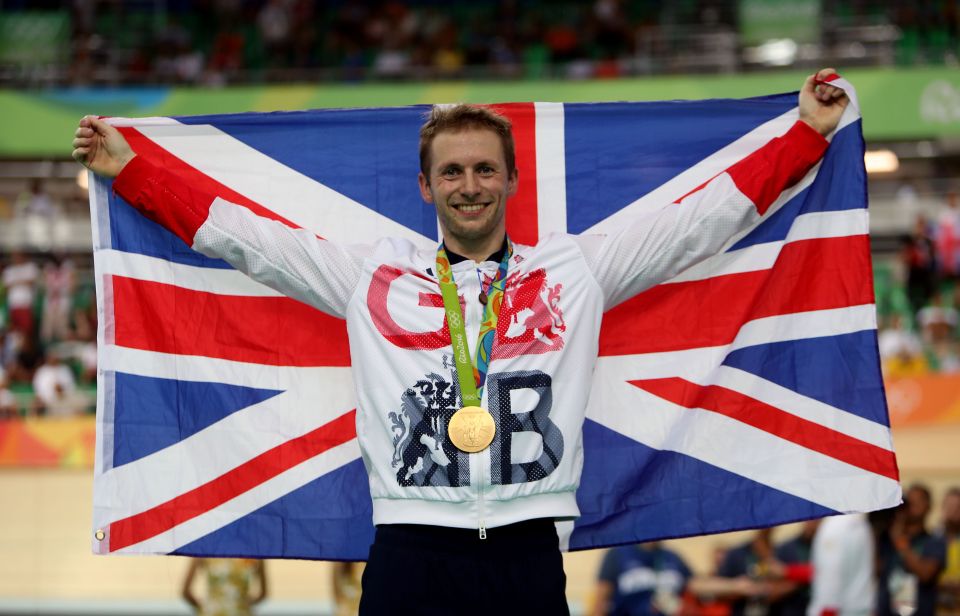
<point>100,147</point>
<point>822,104</point>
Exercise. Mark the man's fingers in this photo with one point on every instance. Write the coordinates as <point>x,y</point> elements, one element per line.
<point>80,155</point>
<point>826,74</point>
<point>99,125</point>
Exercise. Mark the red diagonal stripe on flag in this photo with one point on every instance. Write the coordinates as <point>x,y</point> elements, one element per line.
<point>770,419</point>
<point>235,482</point>
<point>817,274</point>
<point>276,331</point>
<point>193,177</point>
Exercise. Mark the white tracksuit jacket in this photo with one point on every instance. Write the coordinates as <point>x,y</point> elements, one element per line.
<point>547,340</point>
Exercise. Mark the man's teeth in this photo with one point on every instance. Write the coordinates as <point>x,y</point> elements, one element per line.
<point>471,207</point>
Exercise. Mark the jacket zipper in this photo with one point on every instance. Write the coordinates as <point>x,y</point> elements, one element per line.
<point>480,504</point>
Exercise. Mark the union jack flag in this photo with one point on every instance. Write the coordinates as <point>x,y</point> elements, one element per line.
<point>745,392</point>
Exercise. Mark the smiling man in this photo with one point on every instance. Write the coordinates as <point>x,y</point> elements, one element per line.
<point>471,431</point>
<point>468,171</point>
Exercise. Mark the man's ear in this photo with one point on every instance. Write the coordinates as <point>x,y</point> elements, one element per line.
<point>513,182</point>
<point>425,187</point>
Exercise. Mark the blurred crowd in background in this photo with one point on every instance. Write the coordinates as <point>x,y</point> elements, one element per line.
<point>892,563</point>
<point>918,301</point>
<point>228,41</point>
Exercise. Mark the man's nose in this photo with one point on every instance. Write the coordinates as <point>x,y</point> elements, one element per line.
<point>470,185</point>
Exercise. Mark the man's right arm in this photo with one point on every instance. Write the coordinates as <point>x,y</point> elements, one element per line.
<point>293,261</point>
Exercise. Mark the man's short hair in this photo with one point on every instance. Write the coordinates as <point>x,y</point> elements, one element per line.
<point>459,117</point>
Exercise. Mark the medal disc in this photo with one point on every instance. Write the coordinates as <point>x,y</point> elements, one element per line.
<point>471,429</point>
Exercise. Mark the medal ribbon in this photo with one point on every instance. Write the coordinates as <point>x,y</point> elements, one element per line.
<point>471,389</point>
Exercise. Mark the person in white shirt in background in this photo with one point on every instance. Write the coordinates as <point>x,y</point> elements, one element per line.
<point>55,389</point>
<point>20,280</point>
<point>843,568</point>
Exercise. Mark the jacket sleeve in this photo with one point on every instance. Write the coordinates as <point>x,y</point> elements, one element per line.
<point>656,247</point>
<point>293,261</point>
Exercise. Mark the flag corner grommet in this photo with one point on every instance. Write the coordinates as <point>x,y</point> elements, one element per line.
<point>99,535</point>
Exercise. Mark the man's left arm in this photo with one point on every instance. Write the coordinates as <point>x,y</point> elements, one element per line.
<point>656,248</point>
<point>926,562</point>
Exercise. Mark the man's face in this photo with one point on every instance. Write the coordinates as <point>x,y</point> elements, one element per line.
<point>918,506</point>
<point>951,510</point>
<point>469,185</point>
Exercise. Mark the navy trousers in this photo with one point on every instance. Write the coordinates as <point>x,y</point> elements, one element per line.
<point>421,570</point>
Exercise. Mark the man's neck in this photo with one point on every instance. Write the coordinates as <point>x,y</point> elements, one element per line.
<point>483,251</point>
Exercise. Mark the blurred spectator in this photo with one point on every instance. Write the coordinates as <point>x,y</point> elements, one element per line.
<point>177,60</point>
<point>226,55</point>
<point>275,22</point>
<point>948,237</point>
<point>749,578</point>
<point>56,390</point>
<point>704,596</point>
<point>393,60</point>
<point>755,561</point>
<point>35,215</point>
<point>229,586</point>
<point>917,257</point>
<point>448,59</point>
<point>937,320</point>
<point>843,567</point>
<point>901,351</point>
<point>8,404</point>
<point>949,602</point>
<point>346,587</point>
<point>58,284</point>
<point>938,324</point>
<point>909,560</point>
<point>23,355</point>
<point>640,580</point>
<point>36,201</point>
<point>795,555</point>
<point>20,281</point>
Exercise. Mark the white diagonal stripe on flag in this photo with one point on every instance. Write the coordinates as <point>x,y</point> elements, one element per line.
<point>697,174</point>
<point>732,445</point>
<point>276,186</point>
<point>153,269</point>
<point>695,364</point>
<point>202,457</point>
<point>763,256</point>
<point>197,368</point>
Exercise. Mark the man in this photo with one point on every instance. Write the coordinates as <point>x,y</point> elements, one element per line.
<point>910,559</point>
<point>640,580</point>
<point>843,580</point>
<point>950,535</point>
<point>469,466</point>
<point>233,586</point>
<point>759,585</point>
<point>794,554</point>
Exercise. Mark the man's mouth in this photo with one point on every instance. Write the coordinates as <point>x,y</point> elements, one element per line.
<point>469,208</point>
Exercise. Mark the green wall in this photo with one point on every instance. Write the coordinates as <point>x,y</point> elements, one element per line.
<point>896,103</point>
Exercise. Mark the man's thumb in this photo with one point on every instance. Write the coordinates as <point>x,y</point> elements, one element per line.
<point>99,125</point>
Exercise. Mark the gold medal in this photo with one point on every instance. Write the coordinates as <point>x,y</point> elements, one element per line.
<point>471,429</point>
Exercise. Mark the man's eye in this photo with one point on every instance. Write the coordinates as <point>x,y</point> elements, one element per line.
<point>486,170</point>
<point>450,172</point>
